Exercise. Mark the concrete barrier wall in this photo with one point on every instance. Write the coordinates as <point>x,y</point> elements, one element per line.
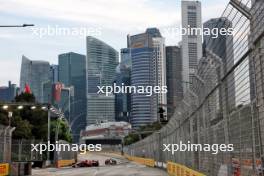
<point>63,163</point>
<point>145,161</point>
<point>175,169</point>
<point>4,169</point>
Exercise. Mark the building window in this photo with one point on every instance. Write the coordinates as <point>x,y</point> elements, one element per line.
<point>192,18</point>
<point>192,7</point>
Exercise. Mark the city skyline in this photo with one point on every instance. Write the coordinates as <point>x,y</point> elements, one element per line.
<point>143,87</point>
<point>49,47</point>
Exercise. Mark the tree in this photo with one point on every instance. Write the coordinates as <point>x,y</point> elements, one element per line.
<point>25,97</point>
<point>33,124</point>
<point>148,130</point>
<point>131,138</point>
<point>3,118</point>
<point>23,128</point>
<point>39,121</point>
<point>63,130</point>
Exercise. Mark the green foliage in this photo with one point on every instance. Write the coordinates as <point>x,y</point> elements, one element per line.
<point>39,121</point>
<point>131,138</point>
<point>145,130</point>
<point>25,97</point>
<point>23,128</point>
<point>63,130</point>
<point>3,118</point>
<point>32,124</point>
<point>151,127</point>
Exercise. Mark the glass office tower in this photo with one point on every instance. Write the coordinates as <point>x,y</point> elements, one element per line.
<point>72,72</point>
<point>35,74</point>
<point>123,78</point>
<point>102,60</point>
<point>8,93</point>
<point>219,46</point>
<point>174,78</point>
<point>148,69</point>
<point>144,108</point>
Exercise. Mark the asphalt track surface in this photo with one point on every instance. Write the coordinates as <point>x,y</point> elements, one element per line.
<point>123,168</point>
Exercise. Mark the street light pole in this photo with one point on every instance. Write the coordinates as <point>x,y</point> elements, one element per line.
<point>10,114</point>
<point>23,25</point>
<point>48,137</point>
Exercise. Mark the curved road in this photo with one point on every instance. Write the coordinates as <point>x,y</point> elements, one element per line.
<point>123,168</point>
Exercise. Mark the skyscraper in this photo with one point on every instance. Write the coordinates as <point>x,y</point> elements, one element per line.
<point>7,94</point>
<point>35,74</point>
<point>54,73</point>
<point>100,108</point>
<point>219,46</point>
<point>47,92</point>
<point>62,98</point>
<point>143,108</point>
<point>174,78</point>
<point>191,43</point>
<point>72,72</point>
<point>102,60</point>
<point>123,78</point>
<point>148,69</point>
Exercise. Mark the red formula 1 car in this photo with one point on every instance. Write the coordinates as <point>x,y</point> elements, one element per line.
<point>110,161</point>
<point>87,163</point>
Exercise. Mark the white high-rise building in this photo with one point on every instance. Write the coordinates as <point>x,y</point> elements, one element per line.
<point>191,44</point>
<point>159,45</point>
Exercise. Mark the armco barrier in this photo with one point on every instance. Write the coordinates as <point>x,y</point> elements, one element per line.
<point>175,169</point>
<point>145,161</point>
<point>4,169</point>
<point>63,163</point>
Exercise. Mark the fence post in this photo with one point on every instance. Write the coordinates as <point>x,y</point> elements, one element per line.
<point>253,138</point>
<point>20,150</point>
<point>4,153</point>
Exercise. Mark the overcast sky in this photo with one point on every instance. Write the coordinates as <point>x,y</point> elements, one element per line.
<point>108,20</point>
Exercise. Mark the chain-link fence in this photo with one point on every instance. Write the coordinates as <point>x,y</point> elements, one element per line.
<point>224,104</point>
<point>5,143</point>
<point>66,154</point>
<point>22,151</point>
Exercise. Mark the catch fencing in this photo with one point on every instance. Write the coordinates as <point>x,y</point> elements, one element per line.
<point>224,103</point>
<point>5,143</point>
<point>65,158</point>
<point>22,151</point>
